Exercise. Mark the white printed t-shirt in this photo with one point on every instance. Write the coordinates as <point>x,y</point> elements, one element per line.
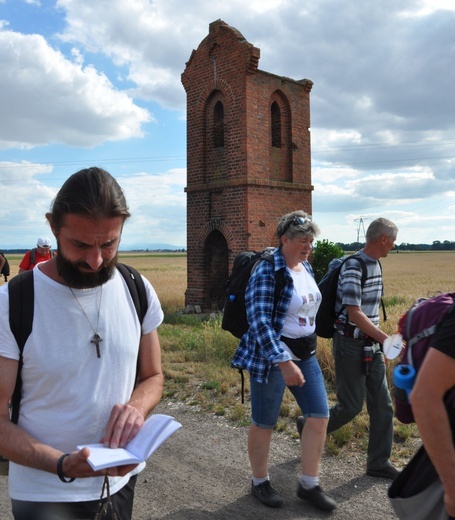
<point>300,318</point>
<point>67,391</point>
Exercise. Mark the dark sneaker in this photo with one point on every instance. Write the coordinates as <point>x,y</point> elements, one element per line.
<point>317,497</point>
<point>300,424</point>
<point>266,494</point>
<point>388,471</point>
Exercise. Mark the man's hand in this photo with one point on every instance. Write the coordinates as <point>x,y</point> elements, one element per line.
<point>123,425</point>
<point>77,466</point>
<point>291,373</point>
<point>363,323</point>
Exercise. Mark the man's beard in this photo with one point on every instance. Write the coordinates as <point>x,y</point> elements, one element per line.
<point>74,277</point>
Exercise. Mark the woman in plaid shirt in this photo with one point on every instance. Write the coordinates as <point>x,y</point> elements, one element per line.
<point>278,351</point>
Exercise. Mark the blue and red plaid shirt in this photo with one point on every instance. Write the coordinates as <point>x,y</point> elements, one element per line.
<point>260,347</point>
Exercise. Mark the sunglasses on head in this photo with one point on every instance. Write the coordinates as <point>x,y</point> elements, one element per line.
<point>296,221</point>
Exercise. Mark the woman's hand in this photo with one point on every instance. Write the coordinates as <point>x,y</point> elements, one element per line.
<point>292,374</point>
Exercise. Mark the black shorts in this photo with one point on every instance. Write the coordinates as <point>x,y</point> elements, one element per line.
<point>122,502</point>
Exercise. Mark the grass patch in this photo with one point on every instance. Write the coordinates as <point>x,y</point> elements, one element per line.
<point>391,301</point>
<point>211,385</point>
<point>196,352</point>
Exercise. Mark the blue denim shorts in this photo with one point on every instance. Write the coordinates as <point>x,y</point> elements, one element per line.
<point>266,398</point>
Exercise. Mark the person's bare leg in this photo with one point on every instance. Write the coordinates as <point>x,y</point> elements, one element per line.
<point>258,450</point>
<point>312,445</point>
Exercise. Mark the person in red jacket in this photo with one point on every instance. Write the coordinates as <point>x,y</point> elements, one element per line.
<point>40,253</point>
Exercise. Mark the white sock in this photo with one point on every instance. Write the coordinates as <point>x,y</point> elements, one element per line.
<point>257,481</point>
<point>308,482</point>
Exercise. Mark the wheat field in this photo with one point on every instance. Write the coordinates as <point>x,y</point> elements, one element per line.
<point>197,352</point>
<point>166,272</point>
<point>407,276</point>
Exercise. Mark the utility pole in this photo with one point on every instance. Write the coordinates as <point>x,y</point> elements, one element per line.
<point>360,220</point>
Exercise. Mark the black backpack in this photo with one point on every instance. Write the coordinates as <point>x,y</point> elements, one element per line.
<point>326,315</point>
<point>5,269</point>
<point>234,313</point>
<point>21,293</point>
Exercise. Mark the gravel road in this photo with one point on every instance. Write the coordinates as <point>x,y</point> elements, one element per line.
<point>202,472</point>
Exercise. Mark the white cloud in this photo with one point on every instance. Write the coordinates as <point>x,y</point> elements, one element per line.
<point>382,104</point>
<point>157,204</point>
<point>25,221</point>
<point>158,207</point>
<point>397,186</point>
<point>46,98</point>
<point>426,7</point>
<point>326,174</point>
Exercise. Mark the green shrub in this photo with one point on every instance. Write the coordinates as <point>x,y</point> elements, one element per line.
<point>323,254</point>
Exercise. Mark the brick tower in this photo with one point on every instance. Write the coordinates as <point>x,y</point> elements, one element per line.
<point>248,157</point>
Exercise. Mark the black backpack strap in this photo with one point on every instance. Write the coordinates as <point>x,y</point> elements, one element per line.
<point>362,279</point>
<point>138,293</point>
<point>242,378</point>
<point>32,257</point>
<point>363,266</point>
<point>384,314</point>
<point>136,287</point>
<point>21,294</point>
<point>280,282</point>
<point>21,306</point>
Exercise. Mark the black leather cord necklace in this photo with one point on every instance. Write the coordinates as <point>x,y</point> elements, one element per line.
<point>96,338</point>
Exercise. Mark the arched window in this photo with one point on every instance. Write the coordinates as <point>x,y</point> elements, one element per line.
<point>218,125</point>
<point>276,125</point>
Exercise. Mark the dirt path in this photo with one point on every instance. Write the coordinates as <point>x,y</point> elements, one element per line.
<point>202,472</point>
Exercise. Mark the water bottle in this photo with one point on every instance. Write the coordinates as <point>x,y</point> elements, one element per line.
<point>367,358</point>
<point>404,378</point>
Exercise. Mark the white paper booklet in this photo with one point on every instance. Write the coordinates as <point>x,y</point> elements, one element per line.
<point>155,430</point>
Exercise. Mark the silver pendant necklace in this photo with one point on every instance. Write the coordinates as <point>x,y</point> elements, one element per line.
<point>96,338</point>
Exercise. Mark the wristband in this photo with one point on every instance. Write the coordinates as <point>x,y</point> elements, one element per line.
<point>60,474</point>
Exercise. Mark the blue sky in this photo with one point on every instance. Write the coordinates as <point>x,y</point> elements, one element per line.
<point>98,83</point>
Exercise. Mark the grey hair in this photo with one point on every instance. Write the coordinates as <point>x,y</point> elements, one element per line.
<point>379,227</point>
<point>286,226</point>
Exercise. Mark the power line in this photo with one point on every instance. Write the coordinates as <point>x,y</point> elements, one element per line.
<point>414,159</point>
<point>361,225</point>
<point>315,151</point>
<point>382,146</point>
<point>125,160</point>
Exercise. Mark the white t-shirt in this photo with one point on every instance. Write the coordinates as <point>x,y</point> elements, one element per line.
<point>67,391</point>
<point>300,318</point>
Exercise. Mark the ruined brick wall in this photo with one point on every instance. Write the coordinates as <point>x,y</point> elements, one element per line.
<point>248,156</point>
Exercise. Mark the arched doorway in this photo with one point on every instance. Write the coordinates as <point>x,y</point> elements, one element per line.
<point>217,269</point>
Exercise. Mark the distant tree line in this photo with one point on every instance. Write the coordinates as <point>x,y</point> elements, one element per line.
<point>437,245</point>
<point>325,251</point>
<point>182,250</point>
